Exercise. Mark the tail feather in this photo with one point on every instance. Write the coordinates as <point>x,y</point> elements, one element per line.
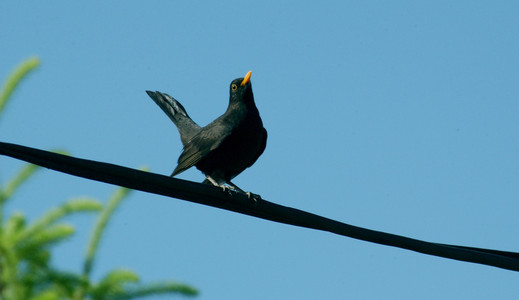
<point>176,112</point>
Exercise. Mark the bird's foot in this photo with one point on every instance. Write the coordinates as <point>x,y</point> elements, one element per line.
<point>228,186</point>
<point>250,196</point>
<point>226,189</point>
<point>253,197</point>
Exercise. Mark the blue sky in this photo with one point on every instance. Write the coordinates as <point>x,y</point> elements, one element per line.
<point>395,116</point>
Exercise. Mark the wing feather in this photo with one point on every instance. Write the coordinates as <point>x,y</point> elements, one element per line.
<point>203,143</point>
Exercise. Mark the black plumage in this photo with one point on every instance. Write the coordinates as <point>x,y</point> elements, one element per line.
<point>226,146</point>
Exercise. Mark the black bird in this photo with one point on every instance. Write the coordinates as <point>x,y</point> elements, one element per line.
<point>226,146</point>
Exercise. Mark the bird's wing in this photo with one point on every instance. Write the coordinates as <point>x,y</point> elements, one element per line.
<point>205,141</point>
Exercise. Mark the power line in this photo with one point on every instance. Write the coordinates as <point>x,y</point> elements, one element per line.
<point>252,206</point>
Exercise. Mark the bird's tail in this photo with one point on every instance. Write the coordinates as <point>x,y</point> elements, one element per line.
<point>176,112</point>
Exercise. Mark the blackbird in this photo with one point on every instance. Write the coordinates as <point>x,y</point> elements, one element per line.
<point>226,146</point>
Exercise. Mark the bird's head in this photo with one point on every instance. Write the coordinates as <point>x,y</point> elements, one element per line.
<point>241,89</point>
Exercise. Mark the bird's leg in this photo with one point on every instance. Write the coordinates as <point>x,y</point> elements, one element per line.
<point>211,180</point>
<point>215,183</point>
<point>234,186</point>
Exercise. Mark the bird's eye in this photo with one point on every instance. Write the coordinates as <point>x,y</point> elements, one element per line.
<point>234,87</point>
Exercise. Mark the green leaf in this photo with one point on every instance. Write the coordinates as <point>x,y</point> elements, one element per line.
<point>64,282</point>
<point>17,180</point>
<point>52,235</point>
<point>12,229</point>
<point>83,204</point>
<point>46,295</point>
<point>100,225</point>
<point>15,78</point>
<point>35,257</point>
<point>21,177</point>
<point>119,277</point>
<point>112,283</point>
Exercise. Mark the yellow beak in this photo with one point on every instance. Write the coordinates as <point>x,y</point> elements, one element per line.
<point>246,79</point>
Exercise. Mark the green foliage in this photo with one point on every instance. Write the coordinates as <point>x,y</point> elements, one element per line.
<point>25,247</point>
<point>15,78</point>
<point>100,226</point>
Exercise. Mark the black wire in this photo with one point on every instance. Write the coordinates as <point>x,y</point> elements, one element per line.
<point>241,203</point>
